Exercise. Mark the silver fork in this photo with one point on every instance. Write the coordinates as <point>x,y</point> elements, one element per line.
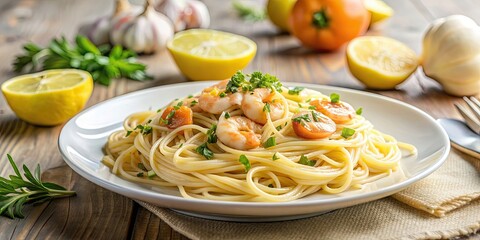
<point>472,117</point>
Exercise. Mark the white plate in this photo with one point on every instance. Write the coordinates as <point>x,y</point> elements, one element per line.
<point>83,137</point>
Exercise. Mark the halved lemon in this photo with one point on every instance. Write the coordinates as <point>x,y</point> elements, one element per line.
<point>204,54</point>
<point>379,10</point>
<point>50,97</point>
<point>380,62</point>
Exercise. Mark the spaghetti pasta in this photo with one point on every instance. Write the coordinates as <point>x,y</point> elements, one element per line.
<point>229,156</point>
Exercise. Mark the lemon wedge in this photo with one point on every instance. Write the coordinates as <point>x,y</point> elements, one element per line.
<point>50,97</point>
<point>204,54</point>
<point>378,9</point>
<point>380,62</point>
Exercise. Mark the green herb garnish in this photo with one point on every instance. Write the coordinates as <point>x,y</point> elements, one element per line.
<point>334,98</point>
<point>316,116</point>
<point>304,160</point>
<point>266,108</point>
<point>227,115</point>
<point>204,151</point>
<point>274,157</point>
<point>270,142</point>
<point>359,111</point>
<point>211,136</point>
<point>140,174</point>
<point>151,174</point>
<point>244,160</point>
<point>128,133</point>
<point>144,129</point>
<point>142,167</point>
<point>178,106</point>
<point>190,96</point>
<point>249,13</point>
<point>301,118</point>
<point>295,90</point>
<point>347,132</point>
<point>279,127</point>
<point>104,63</point>
<point>17,191</point>
<point>312,108</point>
<point>239,82</point>
<point>193,103</point>
<point>170,116</point>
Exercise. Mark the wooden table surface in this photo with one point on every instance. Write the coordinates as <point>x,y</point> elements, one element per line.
<point>94,209</point>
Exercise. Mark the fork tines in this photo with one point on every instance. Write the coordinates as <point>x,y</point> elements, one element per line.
<point>472,118</point>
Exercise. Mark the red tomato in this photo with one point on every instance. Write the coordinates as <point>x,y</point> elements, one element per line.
<point>327,24</point>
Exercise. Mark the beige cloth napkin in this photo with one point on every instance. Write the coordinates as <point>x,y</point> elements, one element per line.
<point>455,186</point>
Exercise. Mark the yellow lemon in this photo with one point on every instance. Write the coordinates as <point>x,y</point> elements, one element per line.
<point>279,12</point>
<point>204,54</point>
<point>378,9</point>
<point>380,62</point>
<point>50,97</point>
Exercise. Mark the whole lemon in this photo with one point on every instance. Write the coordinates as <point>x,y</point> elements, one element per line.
<point>279,11</point>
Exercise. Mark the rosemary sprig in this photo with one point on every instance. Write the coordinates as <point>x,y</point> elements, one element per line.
<point>17,191</point>
<point>249,13</point>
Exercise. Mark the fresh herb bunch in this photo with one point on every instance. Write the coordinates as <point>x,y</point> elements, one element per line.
<point>103,62</point>
<point>17,191</point>
<point>249,13</point>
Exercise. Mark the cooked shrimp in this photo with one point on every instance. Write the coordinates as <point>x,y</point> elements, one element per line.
<point>253,105</point>
<point>312,125</point>
<point>214,99</point>
<point>192,103</point>
<point>181,116</point>
<point>239,132</point>
<point>339,112</point>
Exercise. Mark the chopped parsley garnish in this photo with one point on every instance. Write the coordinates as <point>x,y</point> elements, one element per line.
<point>270,185</point>
<point>151,174</point>
<point>204,151</point>
<point>211,136</point>
<point>239,82</point>
<point>227,115</point>
<point>222,94</point>
<point>309,100</point>
<point>181,145</point>
<point>159,110</point>
<point>359,111</point>
<point>334,98</point>
<point>347,132</point>
<point>274,157</point>
<point>128,133</point>
<point>170,116</point>
<point>295,90</point>
<point>312,108</point>
<point>266,108</point>
<point>303,117</point>
<point>279,127</point>
<point>141,166</point>
<point>244,160</point>
<point>193,103</point>
<point>179,104</point>
<point>316,116</point>
<point>304,160</point>
<point>299,105</point>
<point>190,96</point>
<point>144,129</point>
<point>140,174</point>
<point>270,142</point>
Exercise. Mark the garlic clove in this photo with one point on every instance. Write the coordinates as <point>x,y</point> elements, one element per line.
<point>174,10</point>
<point>145,33</point>
<point>199,16</point>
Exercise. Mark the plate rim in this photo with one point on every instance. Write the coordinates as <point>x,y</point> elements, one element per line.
<point>139,194</point>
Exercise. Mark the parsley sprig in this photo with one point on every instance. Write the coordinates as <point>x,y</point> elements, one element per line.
<point>103,62</point>
<point>239,82</point>
<point>18,191</point>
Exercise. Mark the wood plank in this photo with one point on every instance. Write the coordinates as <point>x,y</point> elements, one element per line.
<point>95,213</point>
<point>149,226</point>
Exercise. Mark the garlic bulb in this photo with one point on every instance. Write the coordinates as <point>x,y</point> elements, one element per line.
<point>98,31</point>
<point>144,33</point>
<point>451,54</point>
<point>185,14</point>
